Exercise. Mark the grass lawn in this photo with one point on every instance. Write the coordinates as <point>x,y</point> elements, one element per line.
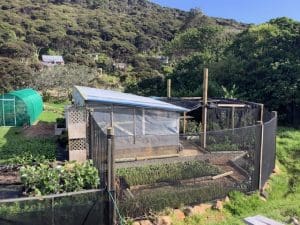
<point>283,201</point>
<point>52,111</point>
<point>16,148</point>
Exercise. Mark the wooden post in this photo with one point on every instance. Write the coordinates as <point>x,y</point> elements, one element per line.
<point>112,116</point>
<point>143,122</point>
<point>261,147</point>
<point>262,113</point>
<point>204,107</point>
<point>232,117</point>
<point>169,88</point>
<point>184,122</point>
<point>111,176</point>
<point>134,126</point>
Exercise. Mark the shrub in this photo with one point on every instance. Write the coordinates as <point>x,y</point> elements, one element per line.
<point>45,179</point>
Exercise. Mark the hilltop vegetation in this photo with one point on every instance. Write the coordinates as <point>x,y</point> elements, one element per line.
<point>91,33</point>
<point>129,39</point>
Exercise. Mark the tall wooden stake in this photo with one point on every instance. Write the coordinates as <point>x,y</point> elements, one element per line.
<point>169,88</point>
<point>111,183</point>
<point>232,117</point>
<point>204,107</point>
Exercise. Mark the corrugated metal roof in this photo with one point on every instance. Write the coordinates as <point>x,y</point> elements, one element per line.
<point>52,58</point>
<point>119,98</point>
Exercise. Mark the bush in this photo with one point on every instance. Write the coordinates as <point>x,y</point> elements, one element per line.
<point>45,179</point>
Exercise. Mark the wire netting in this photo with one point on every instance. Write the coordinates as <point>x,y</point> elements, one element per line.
<point>236,156</point>
<point>269,148</point>
<point>87,207</point>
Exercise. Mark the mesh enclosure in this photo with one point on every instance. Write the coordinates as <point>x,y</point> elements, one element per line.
<point>228,118</point>
<point>77,209</point>
<point>269,148</point>
<point>150,178</point>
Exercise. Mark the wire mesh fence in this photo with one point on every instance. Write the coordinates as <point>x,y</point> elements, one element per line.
<point>232,160</point>
<point>85,207</point>
<point>268,148</point>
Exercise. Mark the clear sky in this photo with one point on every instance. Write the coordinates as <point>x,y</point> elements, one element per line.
<point>248,11</point>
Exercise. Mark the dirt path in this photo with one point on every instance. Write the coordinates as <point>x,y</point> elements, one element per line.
<point>40,130</point>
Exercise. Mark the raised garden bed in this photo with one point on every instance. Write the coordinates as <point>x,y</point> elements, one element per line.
<point>172,172</point>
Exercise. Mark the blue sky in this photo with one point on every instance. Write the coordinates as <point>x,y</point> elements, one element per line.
<point>248,11</point>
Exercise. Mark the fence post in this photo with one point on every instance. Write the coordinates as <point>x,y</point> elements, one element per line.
<point>169,88</point>
<point>204,107</point>
<point>111,179</point>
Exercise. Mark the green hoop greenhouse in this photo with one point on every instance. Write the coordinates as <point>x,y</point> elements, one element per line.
<point>19,108</point>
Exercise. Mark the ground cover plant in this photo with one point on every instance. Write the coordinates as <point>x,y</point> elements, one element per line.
<point>15,148</point>
<point>283,192</point>
<point>47,179</point>
<point>157,199</point>
<point>166,172</point>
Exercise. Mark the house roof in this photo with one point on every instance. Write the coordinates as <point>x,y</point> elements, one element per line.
<point>52,58</point>
<point>119,98</point>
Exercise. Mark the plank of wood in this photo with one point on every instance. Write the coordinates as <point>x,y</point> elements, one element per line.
<point>222,175</point>
<point>260,220</point>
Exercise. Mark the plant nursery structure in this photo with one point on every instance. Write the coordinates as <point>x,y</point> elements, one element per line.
<point>143,126</point>
<point>154,148</point>
<point>19,108</point>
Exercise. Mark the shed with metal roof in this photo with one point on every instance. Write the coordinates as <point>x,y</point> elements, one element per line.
<point>143,126</point>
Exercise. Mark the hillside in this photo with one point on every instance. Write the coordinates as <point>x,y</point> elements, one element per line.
<point>133,32</point>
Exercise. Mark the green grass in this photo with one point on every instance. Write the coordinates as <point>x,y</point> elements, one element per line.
<point>283,201</point>
<point>52,111</point>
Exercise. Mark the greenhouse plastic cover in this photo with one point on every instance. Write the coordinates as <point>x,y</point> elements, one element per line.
<point>119,98</point>
<point>33,102</point>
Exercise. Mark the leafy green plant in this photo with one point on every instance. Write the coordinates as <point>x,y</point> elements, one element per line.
<point>15,148</point>
<point>45,179</point>
<point>166,172</point>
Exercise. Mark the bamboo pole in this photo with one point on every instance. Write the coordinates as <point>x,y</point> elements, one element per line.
<point>169,88</point>
<point>204,107</point>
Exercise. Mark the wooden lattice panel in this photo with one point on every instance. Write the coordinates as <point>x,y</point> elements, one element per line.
<point>76,115</point>
<point>77,144</point>
<point>77,123</point>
